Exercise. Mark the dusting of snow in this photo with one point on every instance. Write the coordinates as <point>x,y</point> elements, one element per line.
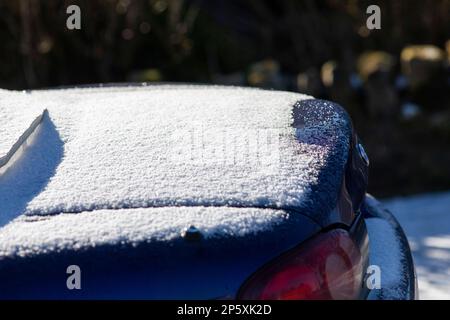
<point>101,149</point>
<point>119,150</point>
<point>385,252</point>
<point>27,236</point>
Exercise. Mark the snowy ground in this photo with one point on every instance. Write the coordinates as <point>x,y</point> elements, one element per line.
<point>426,221</point>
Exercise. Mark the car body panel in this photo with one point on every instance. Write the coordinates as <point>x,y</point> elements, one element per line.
<point>389,250</point>
<point>117,182</point>
<point>172,266</point>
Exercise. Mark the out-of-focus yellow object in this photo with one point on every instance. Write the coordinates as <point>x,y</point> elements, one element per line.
<point>374,61</point>
<point>265,73</point>
<point>147,75</point>
<point>421,62</point>
<point>327,73</point>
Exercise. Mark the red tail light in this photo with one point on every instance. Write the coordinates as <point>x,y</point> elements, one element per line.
<point>327,267</point>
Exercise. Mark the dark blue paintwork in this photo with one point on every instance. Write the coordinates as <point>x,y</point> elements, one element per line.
<point>183,268</point>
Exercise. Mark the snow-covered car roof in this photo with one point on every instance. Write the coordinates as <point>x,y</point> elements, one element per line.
<point>166,146</point>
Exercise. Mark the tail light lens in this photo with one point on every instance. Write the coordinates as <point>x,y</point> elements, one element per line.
<point>327,267</point>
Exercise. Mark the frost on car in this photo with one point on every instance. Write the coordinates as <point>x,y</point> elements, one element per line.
<point>189,192</point>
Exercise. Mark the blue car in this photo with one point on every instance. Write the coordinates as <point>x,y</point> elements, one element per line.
<point>190,192</point>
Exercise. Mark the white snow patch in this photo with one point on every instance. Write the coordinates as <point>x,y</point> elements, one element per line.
<point>98,150</point>
<point>27,236</point>
<point>426,222</point>
<point>120,151</point>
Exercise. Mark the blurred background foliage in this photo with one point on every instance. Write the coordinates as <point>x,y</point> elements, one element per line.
<point>394,82</point>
